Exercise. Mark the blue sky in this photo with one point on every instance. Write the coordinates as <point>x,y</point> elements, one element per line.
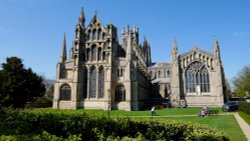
<point>33,29</point>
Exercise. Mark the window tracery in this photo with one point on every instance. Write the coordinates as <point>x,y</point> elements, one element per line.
<point>197,78</point>
<point>65,92</point>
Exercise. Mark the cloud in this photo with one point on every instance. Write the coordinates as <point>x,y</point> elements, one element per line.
<point>239,34</point>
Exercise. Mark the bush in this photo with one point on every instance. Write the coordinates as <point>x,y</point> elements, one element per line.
<point>245,107</point>
<point>18,125</point>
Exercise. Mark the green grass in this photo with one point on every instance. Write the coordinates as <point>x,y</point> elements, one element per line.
<point>245,116</point>
<point>224,123</point>
<point>161,112</point>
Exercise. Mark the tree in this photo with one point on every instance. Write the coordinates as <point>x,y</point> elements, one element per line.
<point>18,85</point>
<point>242,82</point>
<point>49,92</point>
<point>229,89</point>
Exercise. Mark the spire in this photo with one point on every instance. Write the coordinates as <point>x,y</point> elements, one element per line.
<point>82,17</point>
<point>216,49</point>
<point>175,46</point>
<point>174,55</point>
<point>129,49</point>
<point>63,55</point>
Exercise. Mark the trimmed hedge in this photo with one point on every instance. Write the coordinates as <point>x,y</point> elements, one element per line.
<point>245,107</point>
<point>28,125</point>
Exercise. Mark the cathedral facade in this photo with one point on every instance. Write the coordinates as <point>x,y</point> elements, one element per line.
<point>103,73</point>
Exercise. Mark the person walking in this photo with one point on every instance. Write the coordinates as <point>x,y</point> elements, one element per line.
<point>153,113</point>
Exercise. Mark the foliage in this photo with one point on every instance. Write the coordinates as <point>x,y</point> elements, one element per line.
<point>245,107</point>
<point>98,127</point>
<point>49,85</point>
<point>44,136</point>
<point>18,85</point>
<point>225,123</point>
<point>246,117</point>
<point>229,89</point>
<point>242,82</point>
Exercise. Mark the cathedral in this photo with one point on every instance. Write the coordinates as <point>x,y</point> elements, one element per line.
<point>101,72</point>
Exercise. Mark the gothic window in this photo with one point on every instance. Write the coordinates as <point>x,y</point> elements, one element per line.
<point>101,83</point>
<point>120,94</point>
<point>89,35</point>
<point>99,54</point>
<point>92,83</point>
<point>85,82</point>
<point>99,34</point>
<point>93,53</point>
<point>119,72</point>
<point>65,92</point>
<point>63,73</point>
<point>197,78</point>
<point>94,35</point>
<point>103,56</point>
<point>88,55</point>
<point>103,36</point>
<point>159,74</point>
<point>168,73</point>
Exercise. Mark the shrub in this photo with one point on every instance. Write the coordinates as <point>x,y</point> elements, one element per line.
<point>245,107</point>
<point>18,125</point>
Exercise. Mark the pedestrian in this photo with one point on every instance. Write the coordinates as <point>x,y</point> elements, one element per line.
<point>153,113</point>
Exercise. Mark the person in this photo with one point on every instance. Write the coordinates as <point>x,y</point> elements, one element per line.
<point>202,112</point>
<point>153,113</point>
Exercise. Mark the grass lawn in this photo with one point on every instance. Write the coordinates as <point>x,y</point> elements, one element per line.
<point>245,116</point>
<point>224,123</point>
<point>161,112</point>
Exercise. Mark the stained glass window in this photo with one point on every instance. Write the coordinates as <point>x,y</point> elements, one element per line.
<point>85,82</point>
<point>197,78</point>
<point>92,84</point>
<point>120,94</point>
<point>65,92</point>
<point>93,53</point>
<point>101,83</point>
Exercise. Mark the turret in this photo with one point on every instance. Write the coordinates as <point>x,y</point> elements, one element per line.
<point>216,50</point>
<point>174,54</point>
<point>147,51</point>
<point>129,47</point>
<point>82,18</point>
<point>63,55</point>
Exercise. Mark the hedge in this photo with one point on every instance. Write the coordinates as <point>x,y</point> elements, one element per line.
<point>245,107</point>
<point>28,125</point>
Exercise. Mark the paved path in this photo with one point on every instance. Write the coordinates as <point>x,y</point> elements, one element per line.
<point>243,125</point>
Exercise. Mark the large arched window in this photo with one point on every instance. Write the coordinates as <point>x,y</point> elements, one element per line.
<point>85,82</point>
<point>120,93</point>
<point>159,74</point>
<point>65,92</point>
<point>99,54</point>
<point>94,34</point>
<point>101,82</point>
<point>88,55</point>
<point>197,78</point>
<point>99,34</point>
<point>93,53</point>
<point>92,83</point>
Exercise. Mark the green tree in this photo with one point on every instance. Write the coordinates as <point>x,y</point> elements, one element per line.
<point>18,85</point>
<point>229,89</point>
<point>242,82</point>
